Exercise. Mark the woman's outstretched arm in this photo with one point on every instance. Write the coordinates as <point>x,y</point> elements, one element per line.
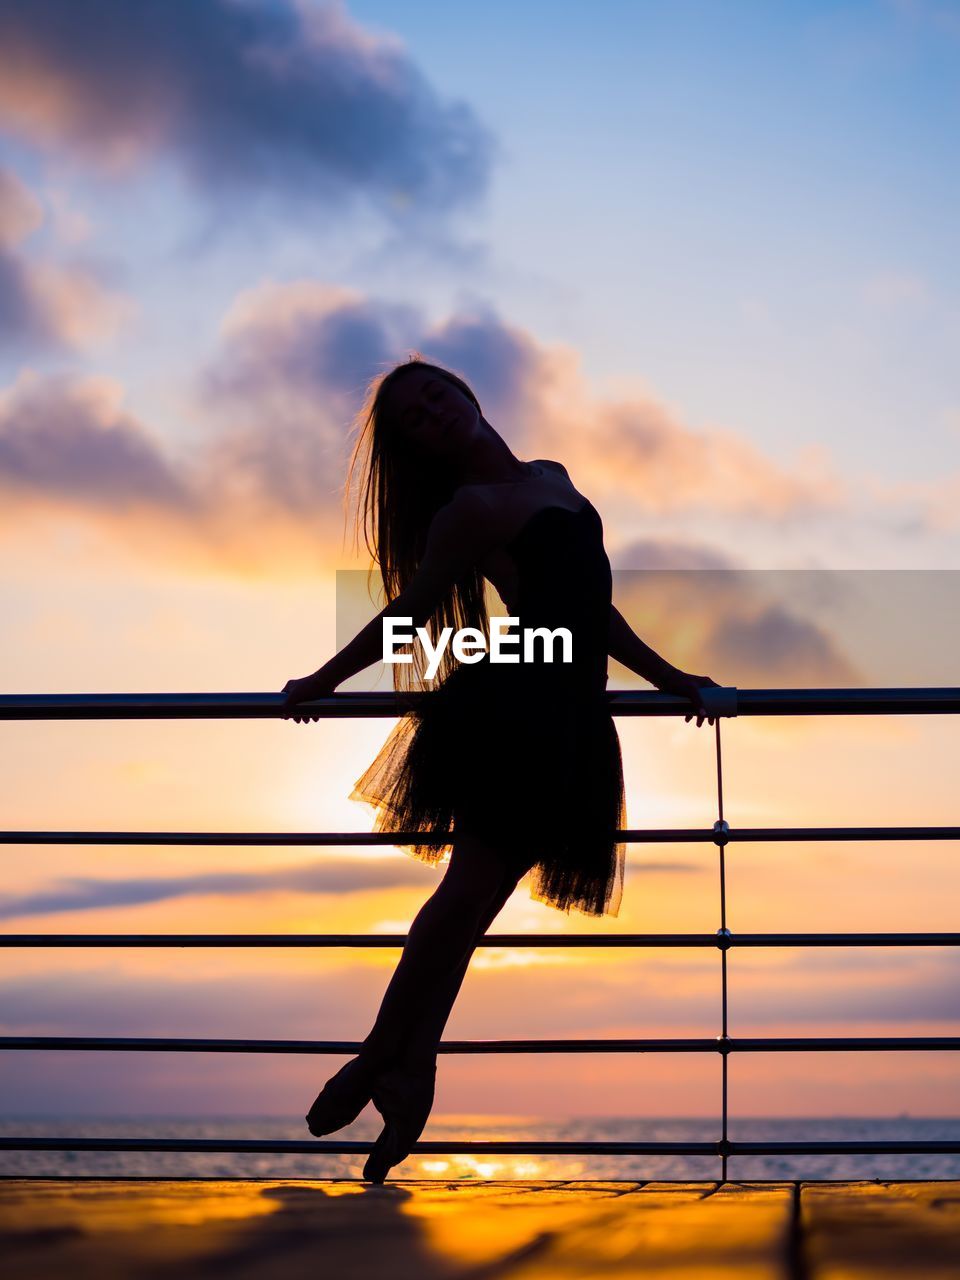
<point>457,538</point>
<point>626,647</point>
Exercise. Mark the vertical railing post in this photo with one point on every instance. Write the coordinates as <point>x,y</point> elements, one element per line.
<point>721,832</point>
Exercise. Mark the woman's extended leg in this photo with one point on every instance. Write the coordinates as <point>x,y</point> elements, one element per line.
<point>439,945</point>
<point>425,984</point>
<point>426,1033</point>
<point>421,993</point>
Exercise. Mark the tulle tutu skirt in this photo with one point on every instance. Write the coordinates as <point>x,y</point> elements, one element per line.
<point>521,755</point>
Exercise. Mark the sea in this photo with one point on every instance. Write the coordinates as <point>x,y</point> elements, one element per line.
<point>481,1166</point>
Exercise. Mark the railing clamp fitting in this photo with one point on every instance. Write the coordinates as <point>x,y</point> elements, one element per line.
<point>721,832</point>
<point>723,1044</point>
<point>721,701</point>
<point>724,939</point>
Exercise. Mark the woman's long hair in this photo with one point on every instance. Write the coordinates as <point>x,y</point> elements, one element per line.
<point>400,492</point>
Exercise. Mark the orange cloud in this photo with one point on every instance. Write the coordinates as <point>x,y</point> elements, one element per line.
<point>261,492</point>
<point>744,627</point>
<point>934,504</point>
<point>69,447</point>
<point>20,211</point>
<point>42,303</point>
<point>70,439</point>
<point>636,450</point>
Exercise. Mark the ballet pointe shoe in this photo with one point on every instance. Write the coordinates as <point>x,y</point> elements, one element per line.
<point>344,1096</point>
<point>404,1097</point>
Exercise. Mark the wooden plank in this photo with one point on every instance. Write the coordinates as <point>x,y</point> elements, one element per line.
<point>876,1231</point>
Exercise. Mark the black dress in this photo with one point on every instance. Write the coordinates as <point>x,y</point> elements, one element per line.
<point>526,754</point>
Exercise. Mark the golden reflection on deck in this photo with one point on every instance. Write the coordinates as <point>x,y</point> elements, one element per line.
<point>518,1230</point>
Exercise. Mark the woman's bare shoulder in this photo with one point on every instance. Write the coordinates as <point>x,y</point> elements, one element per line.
<point>483,513</point>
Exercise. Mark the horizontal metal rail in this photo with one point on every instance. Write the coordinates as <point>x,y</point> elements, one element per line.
<point>493,1147</point>
<point>631,835</point>
<point>722,941</point>
<point>702,1044</point>
<point>622,702</point>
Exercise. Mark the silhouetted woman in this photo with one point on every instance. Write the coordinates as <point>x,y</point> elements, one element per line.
<point>520,762</point>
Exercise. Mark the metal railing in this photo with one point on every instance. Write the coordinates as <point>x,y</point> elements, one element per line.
<point>722,702</point>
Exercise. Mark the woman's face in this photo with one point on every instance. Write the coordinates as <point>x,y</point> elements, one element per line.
<point>432,414</point>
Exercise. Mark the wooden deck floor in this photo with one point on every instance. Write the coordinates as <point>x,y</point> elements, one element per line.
<point>346,1230</point>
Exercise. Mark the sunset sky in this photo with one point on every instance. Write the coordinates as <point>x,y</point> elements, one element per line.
<point>706,256</point>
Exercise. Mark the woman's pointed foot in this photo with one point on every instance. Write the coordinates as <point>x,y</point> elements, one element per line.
<point>383,1155</point>
<point>344,1096</point>
<point>404,1097</point>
